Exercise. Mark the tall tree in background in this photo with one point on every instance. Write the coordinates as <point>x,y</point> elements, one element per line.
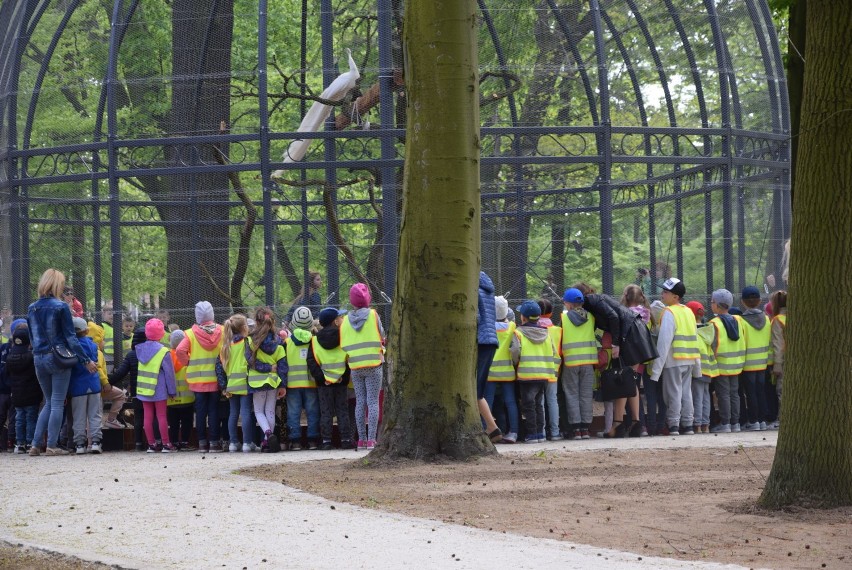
<point>432,402</point>
<point>813,461</point>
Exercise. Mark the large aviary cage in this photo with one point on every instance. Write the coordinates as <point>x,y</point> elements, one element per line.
<point>139,138</point>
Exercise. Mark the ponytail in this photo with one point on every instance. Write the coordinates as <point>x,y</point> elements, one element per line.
<point>236,324</point>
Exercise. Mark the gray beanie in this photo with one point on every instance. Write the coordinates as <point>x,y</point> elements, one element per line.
<point>723,297</point>
<point>203,312</point>
<point>501,307</point>
<point>175,338</point>
<point>302,318</point>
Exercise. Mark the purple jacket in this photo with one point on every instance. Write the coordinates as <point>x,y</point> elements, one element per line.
<point>166,385</point>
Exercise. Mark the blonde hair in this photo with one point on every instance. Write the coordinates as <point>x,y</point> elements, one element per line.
<point>633,296</point>
<point>264,324</point>
<point>51,284</point>
<point>234,325</point>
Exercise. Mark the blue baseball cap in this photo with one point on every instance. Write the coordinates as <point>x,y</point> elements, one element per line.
<point>327,315</point>
<point>751,292</point>
<point>529,309</point>
<point>573,295</point>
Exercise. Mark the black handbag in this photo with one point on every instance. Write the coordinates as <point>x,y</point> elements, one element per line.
<point>618,381</point>
<point>638,346</point>
<point>63,357</point>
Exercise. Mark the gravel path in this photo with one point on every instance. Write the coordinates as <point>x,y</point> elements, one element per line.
<point>190,510</point>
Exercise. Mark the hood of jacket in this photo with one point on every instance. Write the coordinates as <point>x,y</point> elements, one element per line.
<point>533,333</point>
<point>329,337</point>
<point>578,317</point>
<point>755,317</point>
<point>21,337</point>
<point>269,344</point>
<point>706,334</point>
<point>358,317</point>
<point>145,351</point>
<point>301,337</point>
<point>208,335</point>
<point>732,327</point>
<point>545,322</point>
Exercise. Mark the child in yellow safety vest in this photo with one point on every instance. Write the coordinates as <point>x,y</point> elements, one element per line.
<point>268,376</point>
<point>155,383</point>
<point>729,349</point>
<point>109,393</point>
<point>232,377</point>
<point>501,374</point>
<point>579,354</point>
<point>301,389</point>
<point>180,409</point>
<point>533,355</point>
<point>327,364</point>
<point>709,370</point>
<point>757,331</point>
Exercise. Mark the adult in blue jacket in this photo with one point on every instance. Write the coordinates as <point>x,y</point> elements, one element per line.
<point>486,346</point>
<point>49,321</point>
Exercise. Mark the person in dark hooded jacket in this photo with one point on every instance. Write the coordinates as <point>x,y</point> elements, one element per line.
<point>729,348</point>
<point>26,392</point>
<point>327,365</point>
<point>126,373</point>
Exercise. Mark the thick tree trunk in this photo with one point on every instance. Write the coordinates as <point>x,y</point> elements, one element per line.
<point>432,401</point>
<point>813,462</point>
<point>796,45</point>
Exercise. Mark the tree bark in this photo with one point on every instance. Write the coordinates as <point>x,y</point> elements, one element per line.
<point>813,461</point>
<point>796,46</point>
<point>431,403</point>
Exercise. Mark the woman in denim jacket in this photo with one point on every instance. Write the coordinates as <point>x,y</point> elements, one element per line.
<point>50,325</point>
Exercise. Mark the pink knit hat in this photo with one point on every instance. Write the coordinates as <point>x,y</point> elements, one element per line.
<point>359,296</point>
<point>154,329</point>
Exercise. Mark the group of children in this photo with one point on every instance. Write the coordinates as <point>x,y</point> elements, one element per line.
<point>734,359</point>
<point>180,376</point>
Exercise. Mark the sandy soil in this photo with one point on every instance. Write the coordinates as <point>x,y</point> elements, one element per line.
<point>689,504</point>
<point>21,557</point>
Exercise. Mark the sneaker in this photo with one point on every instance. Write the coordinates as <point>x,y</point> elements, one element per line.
<point>721,428</point>
<point>312,444</point>
<point>585,434</point>
<point>186,446</point>
<point>687,430</point>
<point>248,447</point>
<point>556,437</point>
<point>644,432</point>
<point>52,451</point>
<point>19,449</point>
<point>752,427</point>
<point>152,448</point>
<point>578,435</point>
<point>80,450</point>
<point>168,448</point>
<point>295,446</point>
<point>274,445</point>
<point>347,444</point>
<point>326,446</point>
<point>763,426</point>
<point>216,447</point>
<point>34,451</point>
<point>233,447</point>
<point>96,448</point>
<point>510,437</point>
<point>371,444</point>
<point>202,446</point>
<point>112,424</point>
<point>774,425</point>
<point>531,439</point>
<point>673,430</point>
<point>264,446</point>
<point>361,444</point>
<point>735,428</point>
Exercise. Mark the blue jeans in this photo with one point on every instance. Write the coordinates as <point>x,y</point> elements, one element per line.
<point>551,404</point>
<point>54,385</point>
<point>25,423</point>
<point>207,414</point>
<point>242,405</point>
<point>510,399</point>
<point>655,417</point>
<point>298,398</point>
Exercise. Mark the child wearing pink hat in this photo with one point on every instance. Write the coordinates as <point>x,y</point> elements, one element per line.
<point>155,383</point>
<point>362,339</point>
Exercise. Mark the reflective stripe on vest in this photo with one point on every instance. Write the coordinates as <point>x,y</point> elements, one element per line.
<point>237,369</point>
<point>579,346</point>
<point>201,368</point>
<point>685,341</point>
<point>502,369</point>
<point>260,379</point>
<point>536,362</point>
<point>363,348</point>
<point>555,334</point>
<point>297,365</point>
<point>332,361</point>
<point>184,394</point>
<point>730,354</point>
<point>709,367</point>
<point>147,374</point>
<point>757,345</point>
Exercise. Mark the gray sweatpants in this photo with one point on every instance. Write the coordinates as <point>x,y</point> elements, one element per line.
<point>728,397</point>
<point>577,385</point>
<point>87,410</point>
<point>677,394</point>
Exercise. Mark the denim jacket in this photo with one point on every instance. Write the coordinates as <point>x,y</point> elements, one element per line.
<point>50,325</point>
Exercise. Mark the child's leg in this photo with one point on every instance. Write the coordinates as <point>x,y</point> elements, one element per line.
<point>259,403</point>
<point>341,410</point>
<point>20,426</point>
<point>201,408</point>
<point>551,409</point>
<point>539,407</point>
<point>687,408</point>
<point>79,415</point>
<point>373,380</point>
<point>510,399</point>
<point>608,416</point>
<point>117,398</point>
<point>734,383</point>
<point>31,413</point>
<point>360,384</point>
<point>94,409</point>
<point>326,405</point>
<point>150,412</point>
<point>162,419</point>
<point>214,426</point>
<point>294,414</point>
<point>312,413</point>
<point>247,418</point>
<point>233,417</point>
<point>571,387</point>
<point>528,408</point>
<point>173,417</point>
<point>269,408</point>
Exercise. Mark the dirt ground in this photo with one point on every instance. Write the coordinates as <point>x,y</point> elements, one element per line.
<point>21,557</point>
<point>689,504</point>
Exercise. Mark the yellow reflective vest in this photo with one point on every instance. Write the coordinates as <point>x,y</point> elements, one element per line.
<point>502,369</point>
<point>332,361</point>
<point>297,365</point>
<point>184,394</point>
<point>258,379</point>
<point>709,367</point>
<point>201,368</point>
<point>236,369</point>
<point>555,334</point>
<point>363,348</point>
<point>757,345</point>
<point>109,345</point>
<point>148,372</point>
<point>730,354</point>
<point>536,360</point>
<point>579,346</point>
<point>685,341</point>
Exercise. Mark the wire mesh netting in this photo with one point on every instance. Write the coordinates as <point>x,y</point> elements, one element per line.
<point>147,148</point>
